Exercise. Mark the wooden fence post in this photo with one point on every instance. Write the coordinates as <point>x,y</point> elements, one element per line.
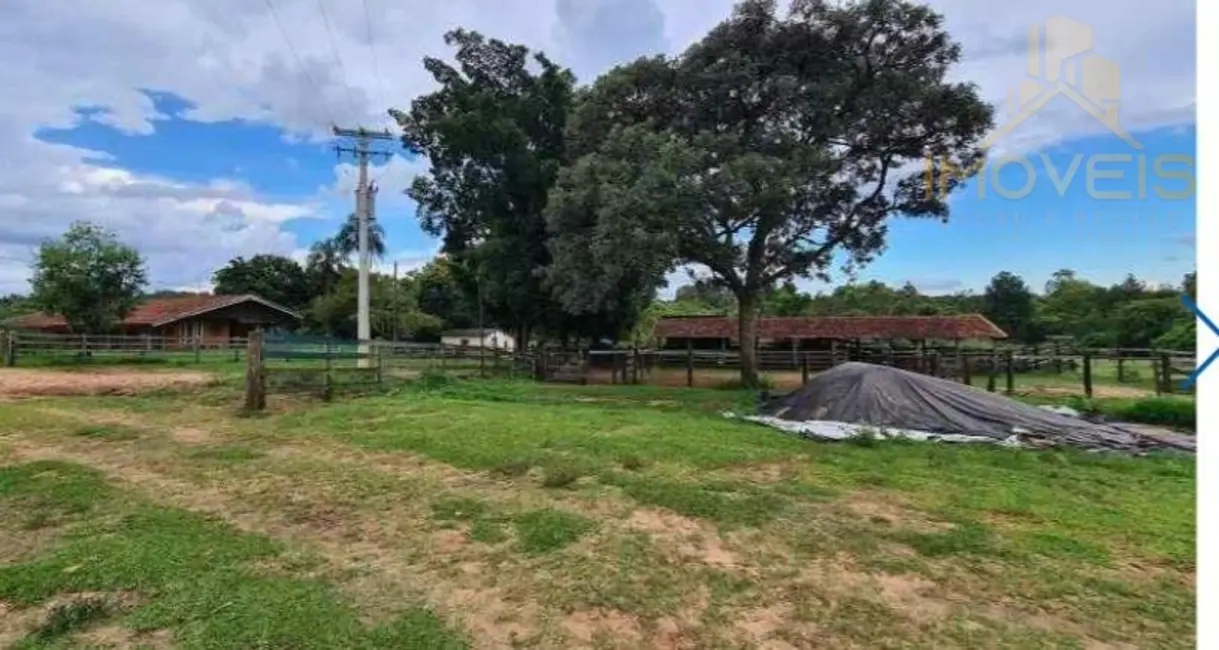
<point>1121,368</point>
<point>992,373</point>
<point>1166,373</point>
<point>379,351</point>
<point>255,380</point>
<point>690,363</point>
<point>6,347</point>
<point>1011,373</point>
<point>327,380</point>
<point>963,360</point>
<point>197,352</point>
<point>1088,375</point>
<point>833,352</point>
<point>1155,377</point>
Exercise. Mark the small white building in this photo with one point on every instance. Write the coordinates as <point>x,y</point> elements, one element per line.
<point>491,339</point>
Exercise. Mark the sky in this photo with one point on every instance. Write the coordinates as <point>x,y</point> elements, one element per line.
<point>198,130</point>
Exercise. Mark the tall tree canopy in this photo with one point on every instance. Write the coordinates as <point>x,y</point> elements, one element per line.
<point>1008,303</point>
<point>493,135</point>
<point>274,277</point>
<point>88,277</point>
<point>766,150</point>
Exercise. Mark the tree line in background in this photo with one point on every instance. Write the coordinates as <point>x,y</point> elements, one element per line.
<point>1130,314</point>
<point>769,150</point>
<point>94,280</point>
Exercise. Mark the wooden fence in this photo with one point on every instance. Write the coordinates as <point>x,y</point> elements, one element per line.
<point>21,348</point>
<point>990,367</point>
<point>320,365</point>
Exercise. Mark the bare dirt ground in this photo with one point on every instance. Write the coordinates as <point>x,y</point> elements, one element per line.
<point>20,382</point>
<point>703,377</point>
<point>1099,390</point>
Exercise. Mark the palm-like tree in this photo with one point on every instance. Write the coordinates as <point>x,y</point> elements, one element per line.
<point>347,240</point>
<point>325,265</point>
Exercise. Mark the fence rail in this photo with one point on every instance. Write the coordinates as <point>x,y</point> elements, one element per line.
<point>287,364</point>
<point>21,348</point>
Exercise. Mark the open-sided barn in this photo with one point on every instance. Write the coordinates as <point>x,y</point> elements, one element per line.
<point>819,332</point>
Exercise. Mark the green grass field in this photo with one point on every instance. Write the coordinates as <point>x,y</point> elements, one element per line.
<point>511,514</point>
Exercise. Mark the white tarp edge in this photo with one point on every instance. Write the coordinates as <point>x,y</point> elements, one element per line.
<point>829,430</point>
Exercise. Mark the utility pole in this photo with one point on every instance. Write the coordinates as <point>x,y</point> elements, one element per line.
<point>365,207</point>
<point>395,301</point>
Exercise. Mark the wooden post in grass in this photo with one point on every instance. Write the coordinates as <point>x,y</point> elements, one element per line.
<point>255,383</point>
<point>327,387</point>
<point>992,372</point>
<point>1010,371</point>
<point>1087,360</point>
<point>6,341</point>
<point>690,363</point>
<point>1121,368</point>
<point>804,369</point>
<point>1166,373</point>
<point>1155,377</point>
<point>197,351</point>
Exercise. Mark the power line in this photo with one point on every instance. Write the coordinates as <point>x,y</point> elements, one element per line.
<point>376,66</point>
<point>300,62</point>
<point>321,7</point>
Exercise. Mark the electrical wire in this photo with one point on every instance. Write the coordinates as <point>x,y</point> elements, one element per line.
<point>321,7</point>
<point>300,62</point>
<point>376,65</point>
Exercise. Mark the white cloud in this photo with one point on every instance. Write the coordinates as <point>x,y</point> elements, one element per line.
<point>229,59</point>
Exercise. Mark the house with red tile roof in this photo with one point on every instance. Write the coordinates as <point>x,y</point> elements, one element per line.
<point>187,318</point>
<point>812,332</point>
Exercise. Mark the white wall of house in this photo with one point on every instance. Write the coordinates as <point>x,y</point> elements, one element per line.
<point>492,338</point>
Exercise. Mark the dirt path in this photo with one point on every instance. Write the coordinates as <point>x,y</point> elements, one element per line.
<point>367,515</point>
<point>24,382</point>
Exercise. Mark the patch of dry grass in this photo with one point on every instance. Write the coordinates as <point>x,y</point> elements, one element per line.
<point>717,535</point>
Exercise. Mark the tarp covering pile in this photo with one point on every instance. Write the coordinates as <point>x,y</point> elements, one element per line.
<point>892,402</point>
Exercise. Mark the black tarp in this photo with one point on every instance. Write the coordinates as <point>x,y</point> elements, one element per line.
<point>880,396</point>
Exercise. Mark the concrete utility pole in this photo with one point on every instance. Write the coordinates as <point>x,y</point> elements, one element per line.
<point>365,209</point>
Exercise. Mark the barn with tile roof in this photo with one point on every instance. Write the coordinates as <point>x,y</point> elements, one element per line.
<point>816,332</point>
<point>204,317</point>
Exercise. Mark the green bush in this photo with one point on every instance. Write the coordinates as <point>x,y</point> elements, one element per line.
<point>1166,411</point>
<point>1174,412</point>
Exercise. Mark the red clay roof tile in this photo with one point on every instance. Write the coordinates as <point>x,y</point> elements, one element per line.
<point>966,326</point>
<point>149,312</point>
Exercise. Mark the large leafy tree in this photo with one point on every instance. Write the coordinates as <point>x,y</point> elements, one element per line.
<point>393,309</point>
<point>438,293</point>
<point>769,149</point>
<point>324,266</point>
<point>1009,303</point>
<point>274,277</point>
<point>88,277</point>
<point>493,135</point>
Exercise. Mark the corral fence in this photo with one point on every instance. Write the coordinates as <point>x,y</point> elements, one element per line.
<point>321,365</point>
<point>25,348</point>
<point>1158,370</point>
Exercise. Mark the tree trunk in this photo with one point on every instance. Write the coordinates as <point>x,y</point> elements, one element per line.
<point>747,335</point>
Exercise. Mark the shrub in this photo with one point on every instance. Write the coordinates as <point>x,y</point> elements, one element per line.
<point>559,476</point>
<point>1165,411</point>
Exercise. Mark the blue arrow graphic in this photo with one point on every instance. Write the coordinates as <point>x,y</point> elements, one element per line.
<point>1193,377</point>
